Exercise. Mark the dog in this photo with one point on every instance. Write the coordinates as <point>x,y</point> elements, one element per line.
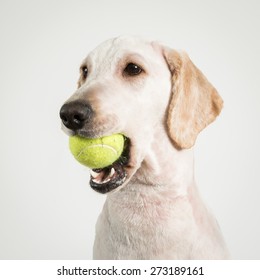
<point>160,101</point>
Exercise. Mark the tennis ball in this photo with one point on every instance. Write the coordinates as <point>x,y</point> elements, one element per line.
<point>97,152</point>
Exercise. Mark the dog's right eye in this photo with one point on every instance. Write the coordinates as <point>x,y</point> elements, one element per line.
<point>84,71</point>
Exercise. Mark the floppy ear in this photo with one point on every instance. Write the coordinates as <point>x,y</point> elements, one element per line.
<point>194,103</point>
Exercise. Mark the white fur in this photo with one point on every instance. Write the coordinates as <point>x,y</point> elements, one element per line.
<point>157,213</point>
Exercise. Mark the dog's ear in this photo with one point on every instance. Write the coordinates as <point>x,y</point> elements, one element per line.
<point>194,103</point>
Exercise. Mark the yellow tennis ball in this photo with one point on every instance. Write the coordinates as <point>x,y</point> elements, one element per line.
<point>97,152</point>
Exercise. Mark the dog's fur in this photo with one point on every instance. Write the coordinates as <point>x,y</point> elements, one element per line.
<point>157,213</point>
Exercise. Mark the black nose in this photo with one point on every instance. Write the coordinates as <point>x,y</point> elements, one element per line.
<point>75,114</point>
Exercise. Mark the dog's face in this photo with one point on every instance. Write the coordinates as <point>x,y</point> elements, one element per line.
<point>125,86</point>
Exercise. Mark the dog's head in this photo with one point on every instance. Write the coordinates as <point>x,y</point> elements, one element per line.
<point>138,88</point>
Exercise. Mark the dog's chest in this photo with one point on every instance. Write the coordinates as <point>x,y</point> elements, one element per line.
<point>141,226</point>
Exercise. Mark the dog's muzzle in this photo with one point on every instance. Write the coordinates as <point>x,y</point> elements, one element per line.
<point>77,116</point>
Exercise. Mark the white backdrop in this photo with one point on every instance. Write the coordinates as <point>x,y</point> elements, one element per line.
<point>47,210</point>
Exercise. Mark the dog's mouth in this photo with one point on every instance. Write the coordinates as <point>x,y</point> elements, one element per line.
<point>104,180</point>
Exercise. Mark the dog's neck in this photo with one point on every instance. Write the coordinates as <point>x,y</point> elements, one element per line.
<point>166,167</point>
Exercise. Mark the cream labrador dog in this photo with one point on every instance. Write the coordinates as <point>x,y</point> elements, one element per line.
<point>157,98</point>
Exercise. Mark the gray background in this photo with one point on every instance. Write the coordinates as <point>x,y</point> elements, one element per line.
<point>47,210</point>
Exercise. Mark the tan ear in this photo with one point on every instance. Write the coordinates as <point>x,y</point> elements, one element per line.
<point>194,104</point>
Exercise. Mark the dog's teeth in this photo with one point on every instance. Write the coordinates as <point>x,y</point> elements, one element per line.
<point>107,180</point>
<point>96,181</point>
<point>112,172</point>
<point>100,182</point>
<point>94,174</point>
<point>100,178</point>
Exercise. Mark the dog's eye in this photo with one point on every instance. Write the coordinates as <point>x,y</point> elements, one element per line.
<point>84,70</point>
<point>132,69</point>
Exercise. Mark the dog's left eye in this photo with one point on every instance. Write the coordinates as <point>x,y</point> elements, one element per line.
<point>132,69</point>
<point>84,70</point>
